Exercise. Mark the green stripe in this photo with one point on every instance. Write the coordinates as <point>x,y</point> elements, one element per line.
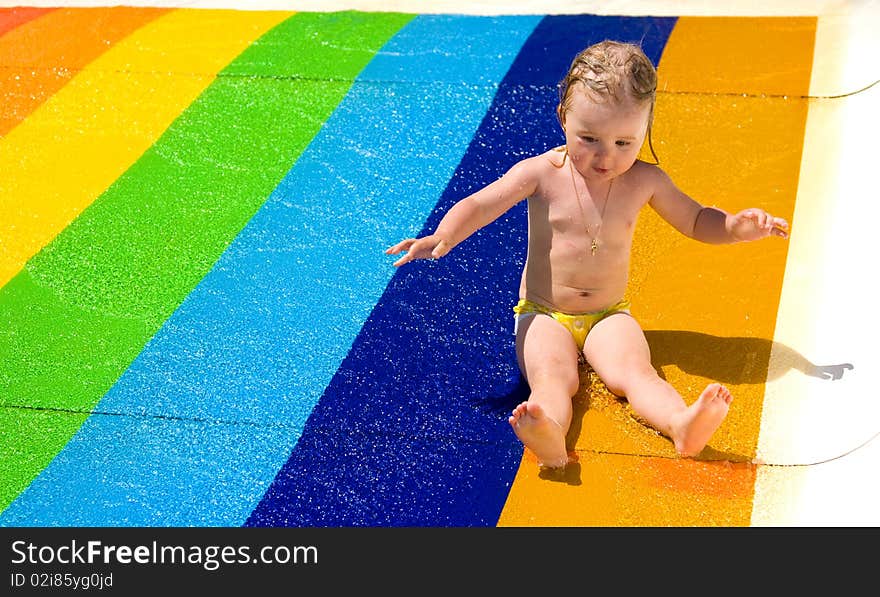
<point>29,439</point>
<point>85,306</point>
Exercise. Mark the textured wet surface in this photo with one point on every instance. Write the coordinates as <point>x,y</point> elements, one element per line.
<point>200,328</point>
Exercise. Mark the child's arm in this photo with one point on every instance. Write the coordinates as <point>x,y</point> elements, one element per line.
<point>711,224</point>
<point>471,213</point>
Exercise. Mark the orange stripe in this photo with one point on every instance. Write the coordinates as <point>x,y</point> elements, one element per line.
<point>41,56</point>
<point>709,312</point>
<point>772,56</point>
<point>10,18</point>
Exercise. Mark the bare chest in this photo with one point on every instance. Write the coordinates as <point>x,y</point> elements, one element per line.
<point>559,215</point>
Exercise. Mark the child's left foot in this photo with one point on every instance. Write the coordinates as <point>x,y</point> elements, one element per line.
<point>697,424</point>
<point>540,433</point>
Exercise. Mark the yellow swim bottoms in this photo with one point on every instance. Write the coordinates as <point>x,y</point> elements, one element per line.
<point>579,324</point>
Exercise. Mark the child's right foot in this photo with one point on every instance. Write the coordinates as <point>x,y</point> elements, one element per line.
<point>540,433</point>
<point>697,424</point>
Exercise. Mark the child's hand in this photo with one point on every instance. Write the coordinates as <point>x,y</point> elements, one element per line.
<point>753,223</point>
<point>428,247</point>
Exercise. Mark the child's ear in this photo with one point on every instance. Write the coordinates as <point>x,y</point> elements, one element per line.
<point>560,115</point>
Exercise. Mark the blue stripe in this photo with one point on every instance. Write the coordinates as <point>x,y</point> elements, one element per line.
<point>412,430</point>
<point>226,385</point>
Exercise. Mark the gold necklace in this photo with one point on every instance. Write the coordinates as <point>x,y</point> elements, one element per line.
<point>594,243</point>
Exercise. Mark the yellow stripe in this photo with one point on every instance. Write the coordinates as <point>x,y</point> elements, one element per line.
<point>708,311</point>
<point>68,151</point>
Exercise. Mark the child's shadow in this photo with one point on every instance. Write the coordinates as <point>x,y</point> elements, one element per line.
<point>710,357</point>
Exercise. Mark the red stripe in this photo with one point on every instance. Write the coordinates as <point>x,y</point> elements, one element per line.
<point>10,18</point>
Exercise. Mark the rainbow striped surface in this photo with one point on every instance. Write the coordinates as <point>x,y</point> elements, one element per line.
<point>199,325</point>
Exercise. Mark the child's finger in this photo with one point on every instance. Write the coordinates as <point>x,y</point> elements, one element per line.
<point>402,245</point>
<point>761,219</point>
<point>408,256</point>
<point>440,250</point>
<point>779,232</point>
<point>413,247</point>
<point>755,216</point>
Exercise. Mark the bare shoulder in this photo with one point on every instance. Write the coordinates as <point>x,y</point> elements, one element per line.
<point>535,171</point>
<point>647,177</point>
<point>540,164</point>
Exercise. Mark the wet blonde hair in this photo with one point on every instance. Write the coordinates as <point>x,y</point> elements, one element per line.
<point>612,70</point>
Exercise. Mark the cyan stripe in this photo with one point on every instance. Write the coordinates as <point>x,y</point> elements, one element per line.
<point>226,385</point>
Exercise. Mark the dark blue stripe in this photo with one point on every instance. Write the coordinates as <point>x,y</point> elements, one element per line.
<point>412,429</point>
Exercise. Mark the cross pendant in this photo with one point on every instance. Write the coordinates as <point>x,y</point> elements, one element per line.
<point>594,246</point>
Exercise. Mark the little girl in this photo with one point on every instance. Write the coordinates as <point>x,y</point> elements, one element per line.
<point>583,202</point>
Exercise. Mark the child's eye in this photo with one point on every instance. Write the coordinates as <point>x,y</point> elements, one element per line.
<point>623,143</point>
<point>589,139</point>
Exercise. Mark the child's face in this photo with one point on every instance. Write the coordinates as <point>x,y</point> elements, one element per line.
<point>604,137</point>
